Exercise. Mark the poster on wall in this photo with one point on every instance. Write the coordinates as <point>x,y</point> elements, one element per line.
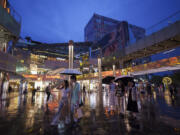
<point>116,40</point>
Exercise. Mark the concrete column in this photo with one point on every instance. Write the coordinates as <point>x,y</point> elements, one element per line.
<point>121,64</point>
<point>14,41</point>
<point>13,45</point>
<point>5,46</point>
<point>100,85</point>
<point>71,54</point>
<point>90,50</point>
<point>114,70</point>
<point>89,84</point>
<point>100,72</point>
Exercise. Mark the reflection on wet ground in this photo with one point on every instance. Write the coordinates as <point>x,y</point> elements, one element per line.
<point>22,115</point>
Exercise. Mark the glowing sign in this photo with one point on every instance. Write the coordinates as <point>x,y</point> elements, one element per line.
<point>30,76</point>
<point>53,77</point>
<point>39,77</point>
<point>167,80</point>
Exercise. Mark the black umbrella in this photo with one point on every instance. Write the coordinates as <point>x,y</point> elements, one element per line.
<point>71,72</point>
<point>108,79</point>
<point>125,79</point>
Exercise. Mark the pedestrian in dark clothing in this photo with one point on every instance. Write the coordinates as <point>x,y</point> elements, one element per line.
<point>84,89</point>
<point>175,89</point>
<point>149,90</point>
<point>48,92</point>
<point>171,90</point>
<point>132,99</point>
<point>33,94</point>
<point>9,89</point>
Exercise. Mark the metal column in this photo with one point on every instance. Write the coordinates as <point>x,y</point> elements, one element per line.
<point>71,54</point>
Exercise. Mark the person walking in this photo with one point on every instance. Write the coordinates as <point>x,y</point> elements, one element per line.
<point>120,91</point>
<point>21,88</point>
<point>63,109</point>
<point>171,90</point>
<point>132,99</point>
<point>33,94</point>
<point>48,92</point>
<point>75,97</point>
<point>25,88</point>
<point>112,91</point>
<point>84,90</point>
<point>141,87</point>
<point>149,91</point>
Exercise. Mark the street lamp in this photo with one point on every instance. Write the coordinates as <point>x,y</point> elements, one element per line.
<point>100,84</point>
<point>114,70</point>
<point>99,69</point>
<point>71,53</point>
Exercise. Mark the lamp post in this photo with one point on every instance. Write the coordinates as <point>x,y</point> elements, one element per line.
<point>100,82</point>
<point>71,53</point>
<point>114,70</point>
<point>99,71</point>
<point>121,65</point>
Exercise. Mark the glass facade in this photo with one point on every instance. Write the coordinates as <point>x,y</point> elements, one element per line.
<point>98,27</point>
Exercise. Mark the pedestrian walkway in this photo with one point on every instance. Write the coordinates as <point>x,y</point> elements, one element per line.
<point>23,116</point>
<point>10,95</point>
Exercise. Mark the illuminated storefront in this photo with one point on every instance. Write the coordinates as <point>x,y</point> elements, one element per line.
<point>41,80</point>
<point>90,85</point>
<point>172,63</point>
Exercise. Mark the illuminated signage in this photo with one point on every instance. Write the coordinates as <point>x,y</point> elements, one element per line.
<point>40,77</point>
<point>173,61</point>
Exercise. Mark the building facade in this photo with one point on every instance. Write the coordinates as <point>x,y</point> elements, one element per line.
<point>98,27</point>
<point>112,36</point>
<point>123,35</point>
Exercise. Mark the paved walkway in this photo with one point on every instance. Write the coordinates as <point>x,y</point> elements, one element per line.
<point>23,116</point>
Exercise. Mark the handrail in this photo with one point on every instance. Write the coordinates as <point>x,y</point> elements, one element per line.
<point>160,25</point>
<point>165,19</point>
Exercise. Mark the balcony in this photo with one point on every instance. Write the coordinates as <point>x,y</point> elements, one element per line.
<point>7,62</point>
<point>10,21</point>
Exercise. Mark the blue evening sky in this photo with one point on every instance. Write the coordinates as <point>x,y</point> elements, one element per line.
<point>55,21</point>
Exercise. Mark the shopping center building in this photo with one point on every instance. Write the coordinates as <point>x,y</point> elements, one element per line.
<point>39,62</point>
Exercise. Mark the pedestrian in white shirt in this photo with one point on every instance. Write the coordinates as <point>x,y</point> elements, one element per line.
<point>63,104</point>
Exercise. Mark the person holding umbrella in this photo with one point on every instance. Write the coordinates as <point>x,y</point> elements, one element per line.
<point>63,105</point>
<point>132,99</point>
<point>108,80</point>
<point>112,91</point>
<point>48,92</point>
<point>124,79</point>
<point>75,96</point>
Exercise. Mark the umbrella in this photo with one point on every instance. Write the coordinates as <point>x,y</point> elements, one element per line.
<point>71,72</point>
<point>108,79</point>
<point>124,78</point>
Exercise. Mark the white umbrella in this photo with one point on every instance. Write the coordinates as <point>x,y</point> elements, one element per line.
<point>71,72</point>
<point>123,76</point>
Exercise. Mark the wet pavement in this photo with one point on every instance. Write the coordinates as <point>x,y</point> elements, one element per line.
<point>22,115</point>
